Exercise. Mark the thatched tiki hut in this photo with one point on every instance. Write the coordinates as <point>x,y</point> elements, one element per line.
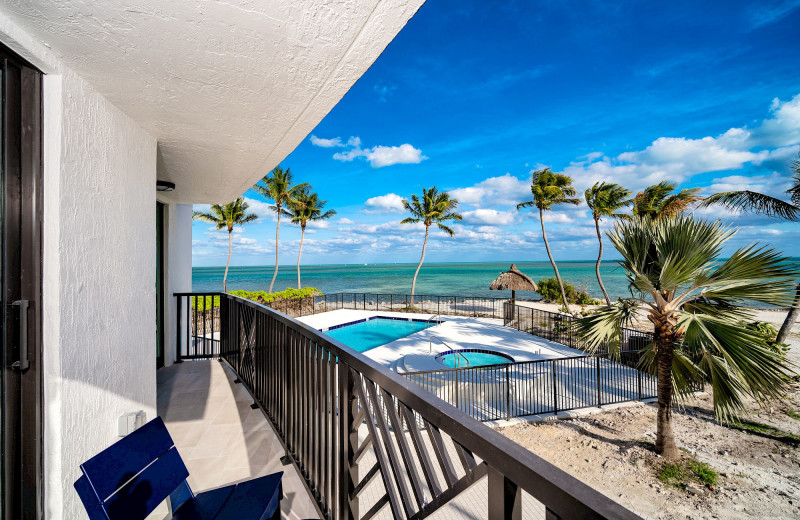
<point>514,280</point>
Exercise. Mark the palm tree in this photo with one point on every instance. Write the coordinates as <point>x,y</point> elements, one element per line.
<point>605,199</point>
<point>550,189</point>
<point>746,200</point>
<point>277,187</point>
<point>306,207</point>
<point>433,208</point>
<point>697,306</point>
<point>659,201</point>
<point>227,216</point>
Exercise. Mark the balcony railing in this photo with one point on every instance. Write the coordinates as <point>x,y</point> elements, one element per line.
<point>352,427</point>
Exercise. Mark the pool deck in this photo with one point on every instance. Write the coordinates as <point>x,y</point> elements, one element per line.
<point>416,352</point>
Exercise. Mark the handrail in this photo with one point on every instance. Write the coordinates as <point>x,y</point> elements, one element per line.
<point>431,319</point>
<point>452,350</point>
<point>287,346</point>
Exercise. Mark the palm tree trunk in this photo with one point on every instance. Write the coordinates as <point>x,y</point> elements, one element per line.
<point>790,320</point>
<point>421,259</point>
<point>302,237</point>
<point>230,246</point>
<point>665,339</point>
<point>599,258</point>
<point>277,235</point>
<point>549,255</point>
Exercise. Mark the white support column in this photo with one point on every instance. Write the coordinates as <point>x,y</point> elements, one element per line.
<point>178,270</point>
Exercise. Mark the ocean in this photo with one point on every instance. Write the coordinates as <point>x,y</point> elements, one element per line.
<point>445,279</point>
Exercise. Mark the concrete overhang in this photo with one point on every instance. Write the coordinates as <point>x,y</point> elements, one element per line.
<point>228,88</point>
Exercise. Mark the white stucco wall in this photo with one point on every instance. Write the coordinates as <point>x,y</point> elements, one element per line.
<point>99,271</point>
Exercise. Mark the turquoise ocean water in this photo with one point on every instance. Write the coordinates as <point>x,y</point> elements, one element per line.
<point>456,279</point>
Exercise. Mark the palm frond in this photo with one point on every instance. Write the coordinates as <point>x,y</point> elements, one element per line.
<point>604,326</point>
<point>752,201</point>
<point>446,229</point>
<point>735,360</point>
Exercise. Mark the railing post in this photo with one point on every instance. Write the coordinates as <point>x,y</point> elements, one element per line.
<point>348,437</point>
<point>508,393</point>
<point>505,497</point>
<point>639,383</point>
<point>599,402</point>
<point>438,304</point>
<point>555,391</point>
<point>456,372</point>
<point>178,332</point>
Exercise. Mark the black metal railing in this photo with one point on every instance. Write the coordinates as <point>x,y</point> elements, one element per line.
<point>560,327</point>
<point>199,325</point>
<point>547,386</point>
<point>449,305</point>
<point>345,420</point>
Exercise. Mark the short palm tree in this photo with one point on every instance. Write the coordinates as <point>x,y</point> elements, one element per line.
<point>227,216</point>
<point>551,189</point>
<point>306,207</point>
<point>747,200</point>
<point>605,200</point>
<point>277,187</point>
<point>697,306</point>
<point>433,208</point>
<point>658,201</point>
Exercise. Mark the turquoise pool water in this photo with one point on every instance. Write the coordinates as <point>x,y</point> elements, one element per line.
<point>375,332</point>
<point>476,359</point>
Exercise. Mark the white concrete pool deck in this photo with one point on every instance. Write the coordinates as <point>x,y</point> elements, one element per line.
<point>416,352</point>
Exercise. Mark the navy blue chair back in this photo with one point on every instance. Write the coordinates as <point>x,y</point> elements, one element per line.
<point>130,478</point>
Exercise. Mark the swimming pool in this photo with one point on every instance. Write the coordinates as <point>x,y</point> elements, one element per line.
<point>474,358</point>
<point>373,332</point>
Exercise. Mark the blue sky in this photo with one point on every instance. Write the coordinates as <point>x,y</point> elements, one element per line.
<point>472,96</point>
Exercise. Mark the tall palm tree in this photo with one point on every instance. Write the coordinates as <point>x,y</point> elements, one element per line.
<point>433,208</point>
<point>658,201</point>
<point>277,187</point>
<point>605,199</point>
<point>551,189</point>
<point>227,216</point>
<point>754,201</point>
<point>306,207</point>
<point>697,305</point>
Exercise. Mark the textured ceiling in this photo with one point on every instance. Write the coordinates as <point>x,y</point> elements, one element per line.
<point>229,89</point>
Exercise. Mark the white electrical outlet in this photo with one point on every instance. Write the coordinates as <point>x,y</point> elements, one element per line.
<point>130,421</point>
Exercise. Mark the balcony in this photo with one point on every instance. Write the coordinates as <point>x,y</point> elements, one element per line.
<point>357,441</point>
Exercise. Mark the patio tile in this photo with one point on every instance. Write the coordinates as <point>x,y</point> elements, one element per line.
<point>221,439</point>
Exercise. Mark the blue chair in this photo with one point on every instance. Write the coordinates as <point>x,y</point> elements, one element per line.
<point>129,479</point>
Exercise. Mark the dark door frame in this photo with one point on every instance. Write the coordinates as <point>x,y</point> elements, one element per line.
<point>21,266</point>
<point>160,280</point>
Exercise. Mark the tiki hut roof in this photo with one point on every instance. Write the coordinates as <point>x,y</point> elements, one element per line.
<point>513,280</point>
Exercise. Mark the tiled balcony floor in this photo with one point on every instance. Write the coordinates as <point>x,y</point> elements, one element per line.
<point>220,438</point>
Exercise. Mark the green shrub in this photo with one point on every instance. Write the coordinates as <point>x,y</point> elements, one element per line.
<point>263,297</point>
<point>549,291</point>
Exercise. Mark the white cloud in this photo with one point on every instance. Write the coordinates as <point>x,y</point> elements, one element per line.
<point>491,217</point>
<point>557,217</point>
<point>503,190</point>
<point>319,224</point>
<point>380,156</point>
<point>326,143</point>
<point>260,208</point>
<point>345,221</point>
<point>680,158</point>
<point>389,203</point>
